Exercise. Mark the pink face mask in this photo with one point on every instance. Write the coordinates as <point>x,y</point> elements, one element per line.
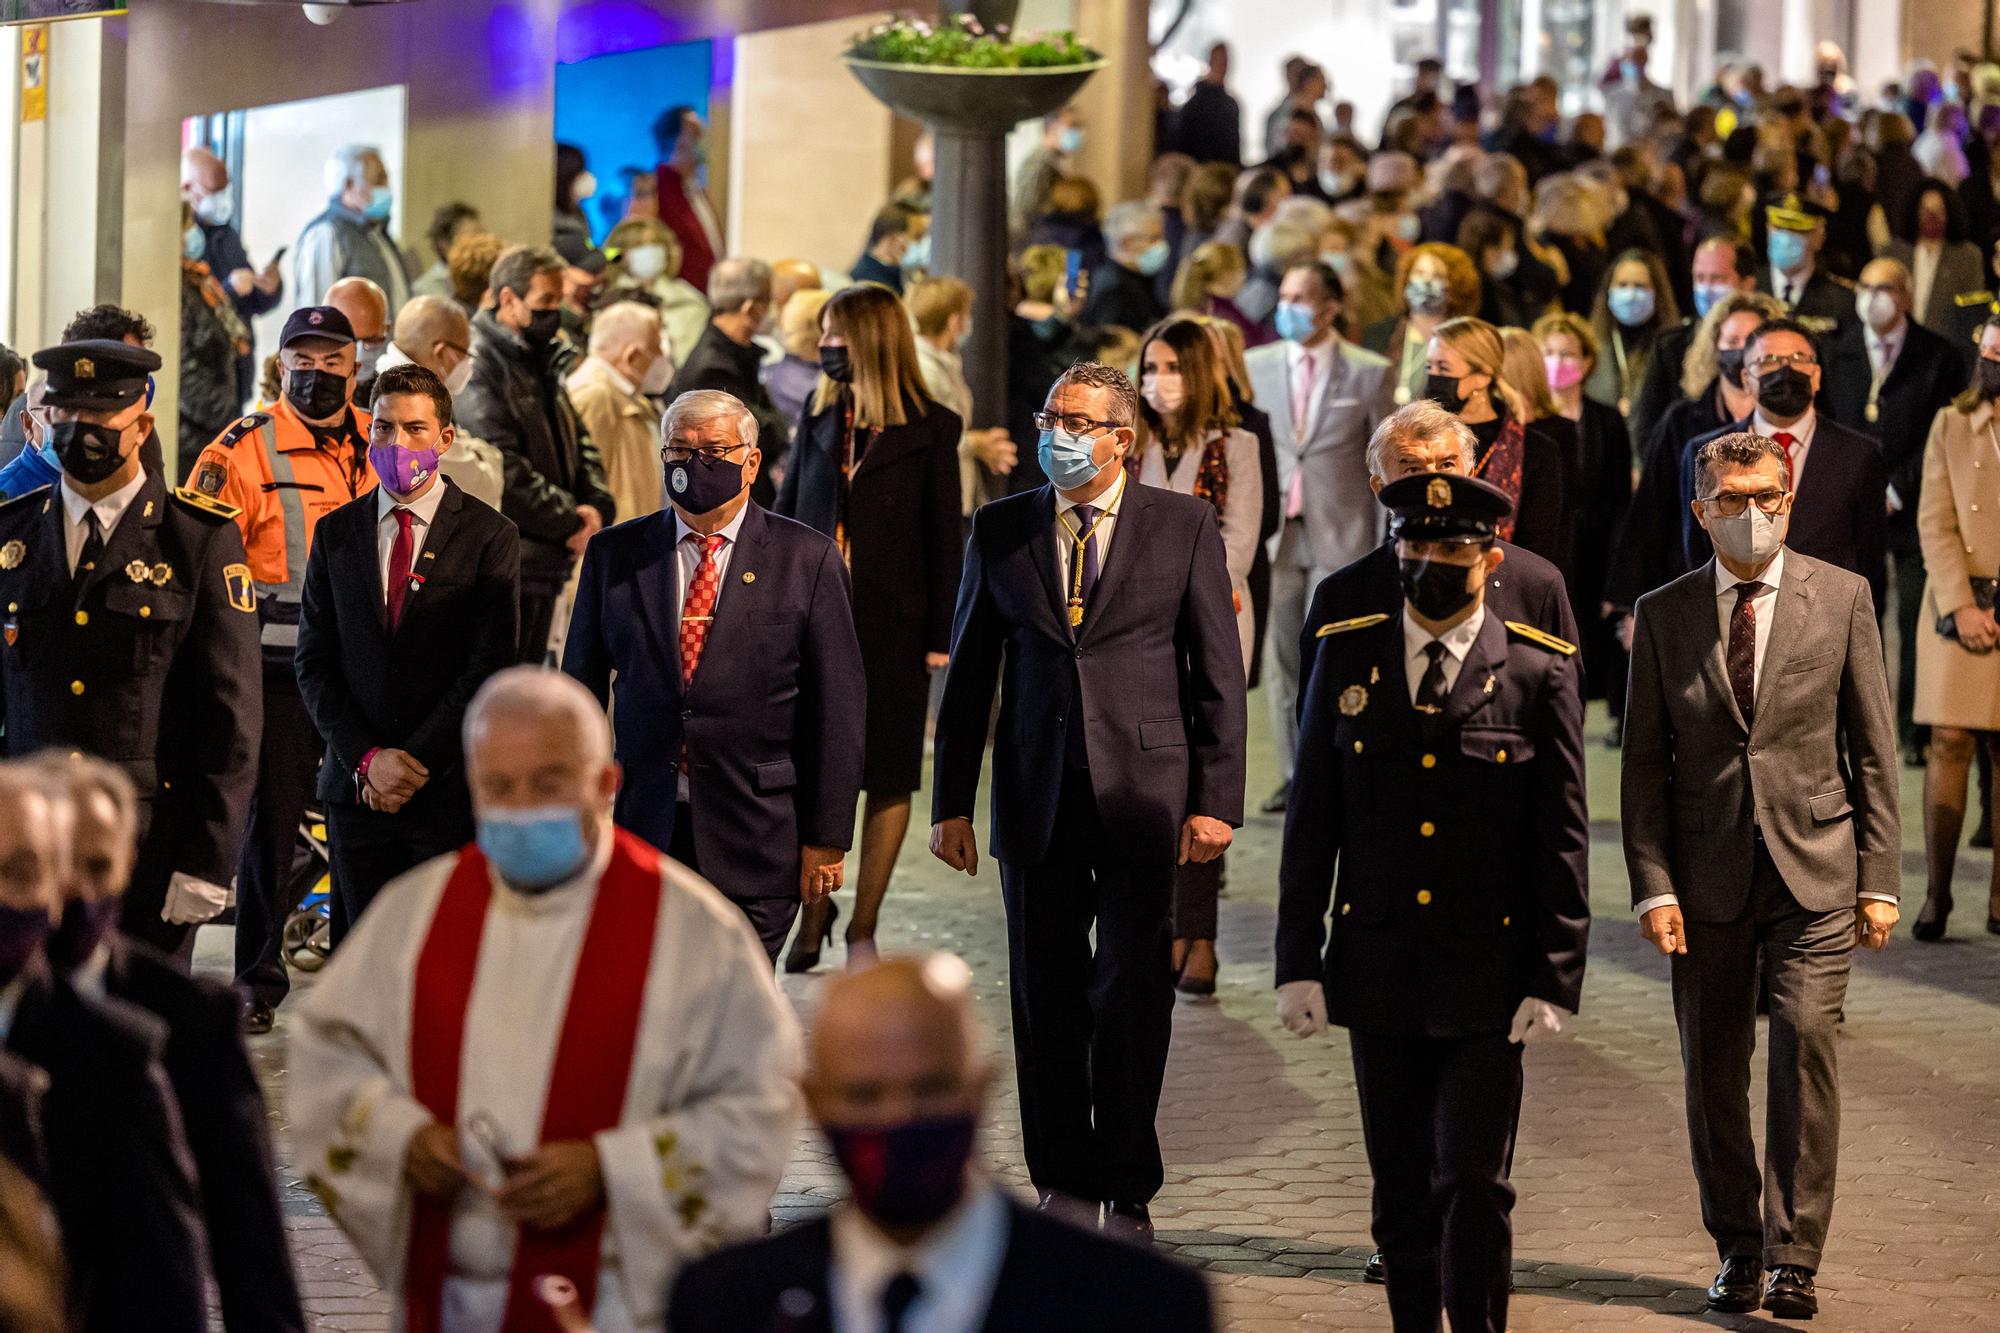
<point>1563,373</point>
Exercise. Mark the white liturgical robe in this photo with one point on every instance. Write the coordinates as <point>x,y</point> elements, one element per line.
<point>710,1110</point>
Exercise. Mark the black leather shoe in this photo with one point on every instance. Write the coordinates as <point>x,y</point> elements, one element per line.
<point>259,1019</point>
<point>1128,1221</point>
<point>1735,1289</point>
<point>1375,1272</point>
<point>1274,804</point>
<point>1788,1292</point>
<point>1929,925</point>
<point>1068,1208</point>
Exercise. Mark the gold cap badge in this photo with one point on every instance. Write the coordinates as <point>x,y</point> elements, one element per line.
<point>1438,494</point>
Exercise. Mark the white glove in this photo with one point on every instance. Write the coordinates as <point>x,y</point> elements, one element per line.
<point>1302,1008</point>
<point>191,901</point>
<point>1536,1020</point>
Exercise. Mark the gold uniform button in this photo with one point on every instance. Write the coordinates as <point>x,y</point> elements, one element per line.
<point>76,687</point>
<point>1427,828</point>
<point>145,612</point>
<point>16,606</point>
<point>1423,897</point>
<point>83,617</point>
<point>1430,761</point>
<point>1506,920</point>
<point>1500,756</point>
<point>1357,747</point>
<point>1345,908</point>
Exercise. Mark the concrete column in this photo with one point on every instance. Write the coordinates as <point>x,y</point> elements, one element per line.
<point>1118,102</point>
<point>969,240</point>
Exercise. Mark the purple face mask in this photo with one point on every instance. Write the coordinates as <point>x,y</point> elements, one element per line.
<point>403,470</point>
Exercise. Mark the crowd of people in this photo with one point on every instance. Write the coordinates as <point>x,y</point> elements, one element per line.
<point>590,595</point>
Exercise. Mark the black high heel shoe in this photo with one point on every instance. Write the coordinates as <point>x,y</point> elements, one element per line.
<point>799,958</point>
<point>1199,988</point>
<point>1931,929</point>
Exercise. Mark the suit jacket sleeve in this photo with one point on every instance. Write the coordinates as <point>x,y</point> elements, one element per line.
<point>322,679</point>
<point>1868,719</point>
<point>966,709</point>
<point>1212,690</point>
<point>944,531</point>
<point>1937,526</point>
<point>436,742</point>
<point>1561,874</point>
<point>1645,779</point>
<point>586,655</point>
<point>591,488</point>
<point>1314,823</point>
<point>218,679</point>
<point>1642,551</point>
<point>832,717</point>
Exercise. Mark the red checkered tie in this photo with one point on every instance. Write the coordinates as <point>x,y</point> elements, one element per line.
<point>698,611</point>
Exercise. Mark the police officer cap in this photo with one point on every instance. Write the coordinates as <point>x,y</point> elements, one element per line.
<point>316,321</point>
<point>96,374</point>
<point>1445,506</point>
<point>1792,211</point>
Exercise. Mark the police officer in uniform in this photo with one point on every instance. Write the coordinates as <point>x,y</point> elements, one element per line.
<point>130,633</point>
<point>1440,771</point>
<point>284,470</point>
<point>1795,229</point>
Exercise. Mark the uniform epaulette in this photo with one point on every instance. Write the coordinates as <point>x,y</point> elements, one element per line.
<point>205,505</point>
<point>14,501</point>
<point>1543,637</point>
<point>1980,297</point>
<point>244,426</point>
<point>1342,626</point>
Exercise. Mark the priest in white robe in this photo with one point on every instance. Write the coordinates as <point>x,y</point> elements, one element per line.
<point>555,1052</point>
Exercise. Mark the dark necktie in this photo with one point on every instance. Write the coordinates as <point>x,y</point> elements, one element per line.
<point>897,1298</point>
<point>1430,689</point>
<point>401,551</point>
<point>93,545</point>
<point>1743,649</point>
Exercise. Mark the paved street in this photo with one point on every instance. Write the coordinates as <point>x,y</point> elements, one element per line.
<point>1267,1185</point>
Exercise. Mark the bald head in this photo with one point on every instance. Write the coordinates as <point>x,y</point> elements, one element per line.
<point>1888,274</point>
<point>434,333</point>
<point>365,306</point>
<point>793,275</point>
<point>898,1042</point>
<point>204,171</point>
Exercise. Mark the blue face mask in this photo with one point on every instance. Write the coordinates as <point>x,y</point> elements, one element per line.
<point>1293,320</point>
<point>534,849</point>
<point>1070,140</point>
<point>193,243</point>
<point>1630,305</point>
<point>379,200</point>
<point>1706,295</point>
<point>918,255</point>
<point>1152,259</point>
<point>1787,250</point>
<point>1068,459</point>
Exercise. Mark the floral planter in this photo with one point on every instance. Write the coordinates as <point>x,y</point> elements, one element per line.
<point>972,100</point>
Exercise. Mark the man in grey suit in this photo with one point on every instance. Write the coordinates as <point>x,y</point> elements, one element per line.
<point>1325,397</point>
<point>1761,831</point>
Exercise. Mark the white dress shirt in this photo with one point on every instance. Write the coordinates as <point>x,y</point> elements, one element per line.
<point>76,527</point>
<point>1457,641</point>
<point>956,1267</point>
<point>1792,286</point>
<point>1801,432</point>
<point>1107,506</point>
<point>423,512</point>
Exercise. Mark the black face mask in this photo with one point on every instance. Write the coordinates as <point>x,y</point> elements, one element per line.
<point>1729,360</point>
<point>701,484</point>
<point>1989,378</point>
<point>88,452</point>
<point>1785,392</point>
<point>316,394</point>
<point>1436,590</point>
<point>542,327</point>
<point>835,365</point>
<point>1443,390</point>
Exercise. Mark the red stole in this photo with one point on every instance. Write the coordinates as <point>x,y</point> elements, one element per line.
<point>1502,467</point>
<point>587,1083</point>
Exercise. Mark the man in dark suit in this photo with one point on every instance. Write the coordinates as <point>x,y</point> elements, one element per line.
<point>1119,755</point>
<point>1887,376</point>
<point>1795,229</point>
<point>1842,488</point>
<point>221,1107</point>
<point>409,605</point>
<point>1762,838</point>
<point>1440,771</point>
<point>130,632</point>
<point>119,1176</point>
<point>899,1083</point>
<point>740,698</point>
<point>1721,267</point>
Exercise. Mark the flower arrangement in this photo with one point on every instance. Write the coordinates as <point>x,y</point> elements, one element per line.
<point>962,43</point>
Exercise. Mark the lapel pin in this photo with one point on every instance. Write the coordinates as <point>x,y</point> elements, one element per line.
<point>1490,679</point>
<point>147,512</point>
<point>748,577</point>
<point>12,554</point>
<point>430,555</point>
<point>161,574</point>
<point>1374,675</point>
<point>416,582</point>
<point>1352,700</point>
<point>137,571</point>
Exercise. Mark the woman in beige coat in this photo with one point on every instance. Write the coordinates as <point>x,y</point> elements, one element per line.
<point>1958,673</point>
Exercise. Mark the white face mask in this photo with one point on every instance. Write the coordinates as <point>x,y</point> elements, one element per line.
<point>1878,309</point>
<point>646,262</point>
<point>214,209</point>
<point>657,377</point>
<point>583,187</point>
<point>1751,538</point>
<point>1165,392</point>
<point>461,375</point>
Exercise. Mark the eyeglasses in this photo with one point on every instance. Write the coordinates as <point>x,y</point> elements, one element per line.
<point>1801,360</point>
<point>1733,505</point>
<point>1075,423</point>
<point>675,453</point>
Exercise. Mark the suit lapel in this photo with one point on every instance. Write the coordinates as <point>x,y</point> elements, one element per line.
<point>1702,632</point>
<point>1042,552</point>
<point>1478,675</point>
<point>658,580</point>
<point>1126,534</point>
<point>1789,639</point>
<point>131,538</point>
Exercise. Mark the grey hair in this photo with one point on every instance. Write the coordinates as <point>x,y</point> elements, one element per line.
<point>1276,246</point>
<point>1097,375</point>
<point>540,693</point>
<point>1421,422</point>
<point>348,163</point>
<point>1740,449</point>
<point>1127,220</point>
<point>622,324</point>
<point>736,281</point>
<point>82,774</point>
<point>698,407</point>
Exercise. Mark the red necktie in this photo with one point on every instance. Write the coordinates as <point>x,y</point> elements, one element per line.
<point>1742,653</point>
<point>1785,441</point>
<point>400,554</point>
<point>698,612</point>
